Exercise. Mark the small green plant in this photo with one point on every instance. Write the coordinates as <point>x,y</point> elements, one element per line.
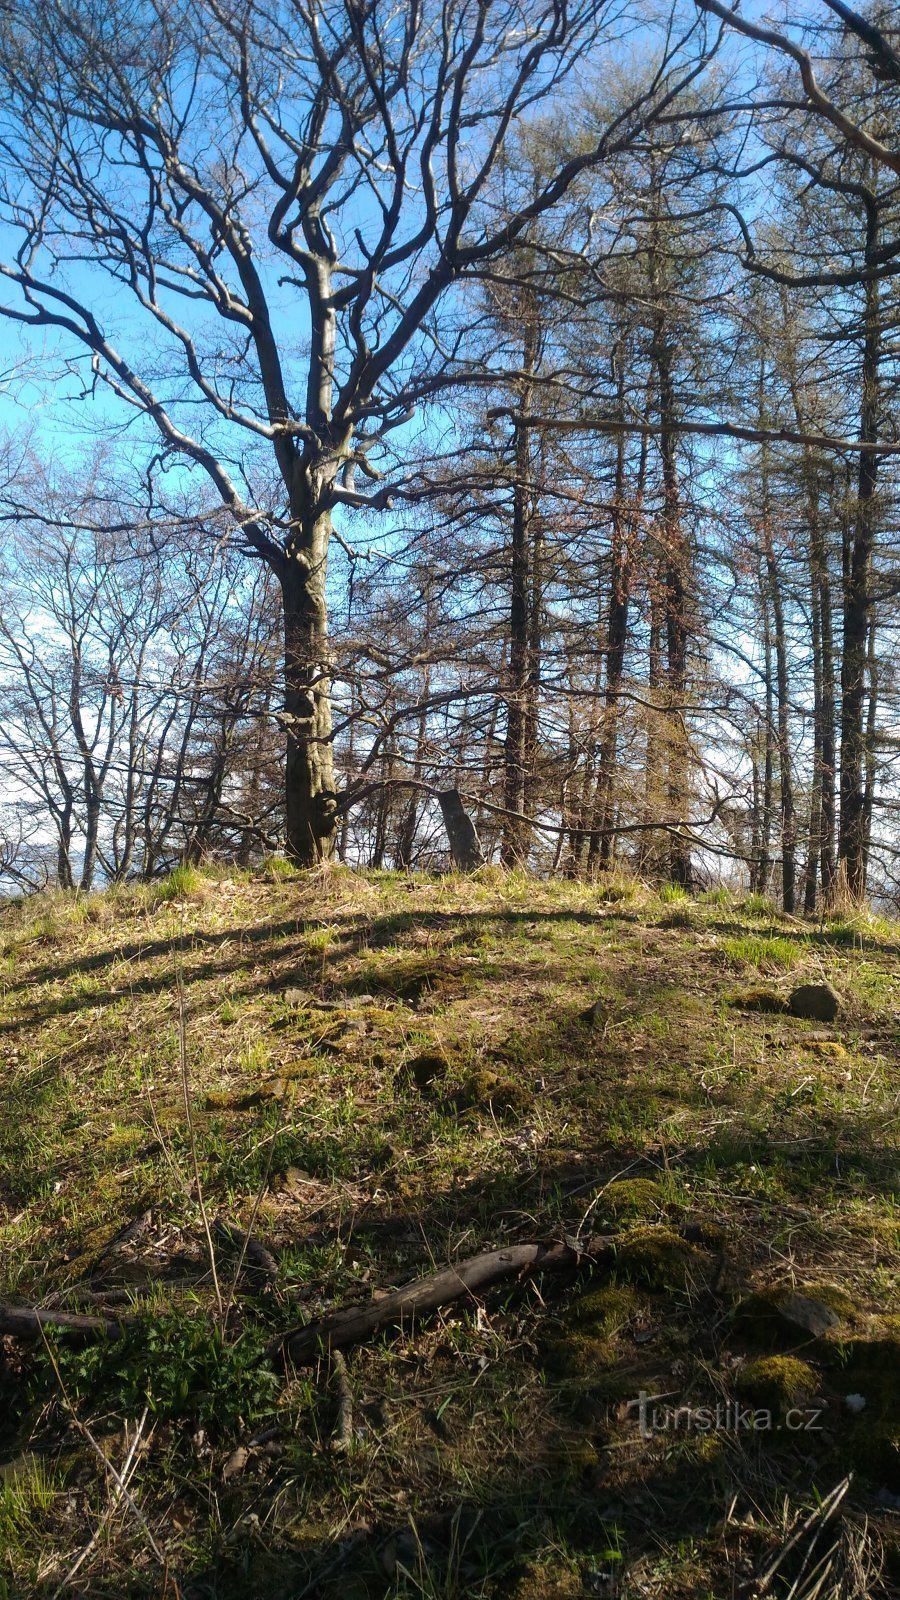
<point>757,905</point>
<point>182,882</point>
<point>176,1363</point>
<point>26,1495</point>
<point>671,893</point>
<point>720,896</point>
<point>275,869</point>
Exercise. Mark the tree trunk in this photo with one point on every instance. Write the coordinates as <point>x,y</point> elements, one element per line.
<point>785,767</point>
<point>515,844</point>
<point>616,643</point>
<point>871,727</point>
<point>310,797</point>
<point>465,846</point>
<point>852,833</point>
<point>676,568</point>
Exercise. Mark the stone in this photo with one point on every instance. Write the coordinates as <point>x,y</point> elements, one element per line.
<point>292,1179</point>
<point>596,1015</point>
<point>817,1001</point>
<point>776,1383</point>
<point>236,1462</point>
<point>659,1259</point>
<point>760,998</point>
<point>776,1315</point>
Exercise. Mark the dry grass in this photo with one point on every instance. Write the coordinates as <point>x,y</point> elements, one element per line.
<point>495,1452</point>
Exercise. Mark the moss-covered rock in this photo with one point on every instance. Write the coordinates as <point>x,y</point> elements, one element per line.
<point>542,1582</point>
<point>817,1001</point>
<point>759,998</point>
<point>578,1357</point>
<point>659,1258</point>
<point>631,1198</point>
<point>828,1049</point>
<point>837,1299</point>
<point>775,1383</point>
<point>603,1311</point>
<point>783,1317</point>
<point>490,1091</point>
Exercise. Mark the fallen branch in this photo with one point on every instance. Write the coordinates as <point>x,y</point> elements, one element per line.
<point>343,1428</point>
<point>466,1279</point>
<point>252,1255</point>
<point>26,1322</point>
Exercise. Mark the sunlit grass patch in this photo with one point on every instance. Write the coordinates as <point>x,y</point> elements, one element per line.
<point>182,883</point>
<point>767,952</point>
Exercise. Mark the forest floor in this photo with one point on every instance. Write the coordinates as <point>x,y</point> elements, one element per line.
<point>386,1074</point>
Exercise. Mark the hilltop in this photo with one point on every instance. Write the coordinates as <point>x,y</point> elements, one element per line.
<point>385,1074</point>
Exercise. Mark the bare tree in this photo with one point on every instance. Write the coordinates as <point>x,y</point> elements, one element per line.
<point>290,195</point>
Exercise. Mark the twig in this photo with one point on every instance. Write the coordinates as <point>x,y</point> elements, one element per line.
<point>126,1475</point>
<point>821,1515</point>
<point>107,1465</point>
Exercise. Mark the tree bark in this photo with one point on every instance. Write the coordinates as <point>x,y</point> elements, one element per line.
<point>785,766</point>
<point>310,797</point>
<point>515,843</point>
<point>676,567</point>
<point>616,642</point>
<point>465,846</point>
<point>856,598</point>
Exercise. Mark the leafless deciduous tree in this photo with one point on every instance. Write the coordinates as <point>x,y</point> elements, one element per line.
<point>286,198</point>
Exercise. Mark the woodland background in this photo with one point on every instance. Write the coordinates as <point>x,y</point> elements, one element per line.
<point>623,568</point>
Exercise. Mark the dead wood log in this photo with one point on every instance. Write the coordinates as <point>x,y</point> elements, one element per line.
<point>26,1322</point>
<point>253,1256</point>
<point>465,1279</point>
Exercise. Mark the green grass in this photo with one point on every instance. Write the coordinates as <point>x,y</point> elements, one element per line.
<point>768,953</point>
<point>309,1127</point>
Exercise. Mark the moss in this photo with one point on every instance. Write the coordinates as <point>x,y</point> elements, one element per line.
<point>541,1582</point>
<point>572,1457</point>
<point>658,1258</point>
<point>775,1383</point>
<point>760,998</point>
<point>578,1357</point>
<point>709,1235</point>
<point>490,1089</point>
<point>837,1300</point>
<point>830,1049</point>
<point>121,1141</point>
<point>605,1311</point>
<point>631,1198</point>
